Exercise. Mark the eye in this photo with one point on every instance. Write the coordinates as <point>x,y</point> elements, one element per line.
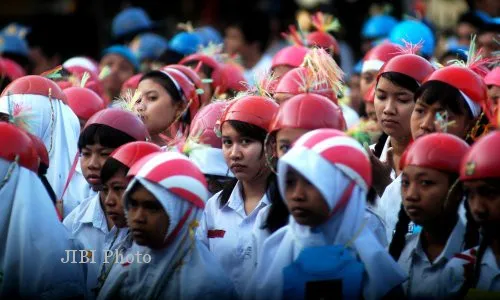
<point>132,203</point>
<point>85,153</point>
<point>245,141</point>
<point>284,148</point>
<point>404,100</point>
<point>227,142</point>
<point>381,96</point>
<point>426,182</point>
<point>118,188</point>
<point>405,182</point>
<point>419,110</point>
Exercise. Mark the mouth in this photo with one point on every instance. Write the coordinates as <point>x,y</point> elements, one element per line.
<point>237,168</point>
<point>94,179</point>
<point>389,122</point>
<point>413,210</point>
<point>299,212</point>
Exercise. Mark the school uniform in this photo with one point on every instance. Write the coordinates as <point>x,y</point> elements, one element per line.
<point>227,232</point>
<point>453,276</point>
<point>87,223</point>
<point>78,191</point>
<point>423,281</point>
<point>350,115</point>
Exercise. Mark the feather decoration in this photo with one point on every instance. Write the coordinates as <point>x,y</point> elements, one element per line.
<point>324,69</point>
<point>188,26</point>
<point>475,60</point>
<point>366,131</point>
<point>410,48</point>
<point>212,49</point>
<point>54,73</point>
<point>294,37</point>
<point>84,79</point>
<point>128,100</point>
<point>104,72</point>
<point>20,115</point>
<point>325,22</point>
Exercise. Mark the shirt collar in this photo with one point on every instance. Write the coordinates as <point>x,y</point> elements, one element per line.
<point>235,201</point>
<point>94,214</point>
<point>452,247</point>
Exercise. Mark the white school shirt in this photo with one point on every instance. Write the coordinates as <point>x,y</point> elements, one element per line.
<point>261,68</point>
<point>227,232</point>
<point>87,224</point>
<point>78,191</point>
<point>423,281</point>
<point>453,278</point>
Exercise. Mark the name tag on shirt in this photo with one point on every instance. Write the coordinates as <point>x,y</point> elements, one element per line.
<point>216,233</point>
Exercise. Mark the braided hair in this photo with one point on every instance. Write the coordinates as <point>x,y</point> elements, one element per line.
<point>399,239</point>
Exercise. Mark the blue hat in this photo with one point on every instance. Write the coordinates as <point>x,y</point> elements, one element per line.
<point>148,46</point>
<point>208,35</point>
<point>358,67</point>
<point>13,44</point>
<point>123,52</point>
<point>414,32</point>
<point>378,27</point>
<point>130,20</point>
<point>16,29</point>
<point>185,43</point>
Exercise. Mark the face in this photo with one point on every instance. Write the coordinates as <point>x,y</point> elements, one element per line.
<point>120,71</point>
<point>370,111</point>
<point>113,191</point>
<point>355,92</point>
<point>484,203</point>
<point>147,219</point>
<point>423,121</point>
<point>281,97</point>
<point>280,70</point>
<point>367,79</point>
<point>233,41</point>
<point>92,159</point>
<point>487,42</point>
<point>393,106</point>
<point>285,139</point>
<point>304,201</point>
<point>156,107</point>
<point>424,193</point>
<point>464,33</point>
<point>493,96</point>
<point>244,155</point>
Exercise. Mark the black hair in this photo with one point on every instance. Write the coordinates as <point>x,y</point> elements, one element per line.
<point>399,239</point>
<point>170,57</point>
<point>48,188</point>
<point>278,212</point>
<point>471,237</point>
<point>446,95</point>
<point>4,82</point>
<point>255,27</point>
<point>204,68</point>
<point>371,197</point>
<point>470,17</point>
<point>401,80</point>
<point>102,134</point>
<point>110,168</point>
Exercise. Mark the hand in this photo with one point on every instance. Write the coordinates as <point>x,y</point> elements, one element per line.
<point>381,171</point>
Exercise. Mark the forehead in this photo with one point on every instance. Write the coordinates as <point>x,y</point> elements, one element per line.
<point>113,58</point>
<point>120,176</point>
<point>414,171</point>
<point>228,130</point>
<point>390,87</point>
<point>97,147</point>
<point>141,194</point>
<point>290,134</point>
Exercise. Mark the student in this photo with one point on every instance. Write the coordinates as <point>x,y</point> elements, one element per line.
<point>431,198</point>
<point>492,80</point>
<point>114,179</point>
<point>325,191</point>
<point>48,117</point>
<point>167,104</point>
<point>32,239</point>
<point>88,222</point>
<point>226,225</point>
<point>395,87</point>
<point>204,147</point>
<point>437,96</point>
<point>476,270</point>
<point>122,65</point>
<point>286,59</point>
<point>84,103</point>
<point>162,214</point>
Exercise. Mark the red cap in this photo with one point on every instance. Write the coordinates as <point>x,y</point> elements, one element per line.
<point>308,111</point>
<point>203,58</point>
<point>195,79</point>
<point>35,85</point>
<point>121,120</point>
<point>410,65</point>
<point>463,79</point>
<point>439,151</point>
<point>378,55</point>
<point>292,56</point>
<point>482,161</point>
<point>293,83</point>
<point>130,153</point>
<point>323,40</point>
<point>11,69</point>
<point>186,85</point>
<point>255,110</point>
<point>228,77</point>
<point>493,77</point>
<point>83,101</point>
<point>204,123</point>
<point>16,143</point>
<point>40,149</point>
<point>133,82</point>
<point>370,94</point>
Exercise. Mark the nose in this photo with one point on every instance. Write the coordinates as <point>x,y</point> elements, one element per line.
<point>427,123</point>
<point>477,208</point>
<point>411,193</point>
<point>94,162</point>
<point>110,199</point>
<point>139,216</point>
<point>390,107</point>
<point>298,194</point>
<point>235,153</point>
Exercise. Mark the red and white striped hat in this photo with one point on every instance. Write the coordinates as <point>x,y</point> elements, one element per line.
<point>174,172</point>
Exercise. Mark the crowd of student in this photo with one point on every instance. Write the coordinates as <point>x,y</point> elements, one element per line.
<point>207,178</point>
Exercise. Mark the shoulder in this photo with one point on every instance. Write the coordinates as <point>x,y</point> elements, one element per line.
<point>453,275</point>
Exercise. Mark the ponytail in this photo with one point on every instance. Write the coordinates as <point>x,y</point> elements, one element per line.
<point>399,239</point>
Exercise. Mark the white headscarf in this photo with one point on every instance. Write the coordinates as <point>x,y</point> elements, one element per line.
<point>345,227</point>
<point>33,241</point>
<point>56,125</point>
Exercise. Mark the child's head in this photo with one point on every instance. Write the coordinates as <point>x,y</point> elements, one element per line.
<point>122,65</point>
<point>480,174</point>
<point>248,34</point>
<point>114,177</point>
<point>325,176</point>
<point>430,171</point>
<point>301,114</point>
<point>164,200</point>
<point>492,80</point>
<point>104,132</point>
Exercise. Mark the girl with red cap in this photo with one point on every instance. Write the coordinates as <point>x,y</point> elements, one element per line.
<point>33,242</point>
<point>115,181</point>
<point>163,203</point>
<point>325,191</point>
<point>167,103</point>
<point>431,198</point>
<point>492,80</point>
<point>476,270</point>
<point>229,217</point>
<point>88,222</point>
<point>84,102</point>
